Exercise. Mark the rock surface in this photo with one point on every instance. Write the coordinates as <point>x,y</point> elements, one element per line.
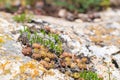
<point>100,40</point>
<point>14,65</point>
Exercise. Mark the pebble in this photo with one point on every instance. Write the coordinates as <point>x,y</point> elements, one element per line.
<point>117,59</point>
<point>62,13</point>
<point>79,21</point>
<point>97,20</point>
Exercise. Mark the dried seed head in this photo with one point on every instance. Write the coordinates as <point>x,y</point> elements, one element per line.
<point>67,73</point>
<point>73,65</point>
<point>35,50</point>
<point>47,59</point>
<point>81,79</point>
<point>50,55</point>
<point>100,76</point>
<point>63,64</point>
<point>52,31</point>
<point>36,45</point>
<point>36,56</point>
<point>51,65</point>
<point>27,51</point>
<point>76,75</point>
<point>43,54</point>
<point>65,54</point>
<point>47,28</point>
<point>78,60</point>
<point>67,59</point>
<point>84,59</point>
<point>44,63</point>
<point>82,66</point>
<point>57,32</point>
<point>68,63</point>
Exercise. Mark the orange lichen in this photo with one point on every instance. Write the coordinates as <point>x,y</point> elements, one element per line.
<point>35,73</point>
<point>22,69</point>
<point>30,65</point>
<point>3,65</point>
<point>99,34</point>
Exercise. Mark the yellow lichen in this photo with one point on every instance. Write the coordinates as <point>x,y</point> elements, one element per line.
<point>7,71</point>
<point>4,65</point>
<point>22,68</point>
<point>30,65</point>
<point>8,37</point>
<point>1,40</point>
<point>35,73</point>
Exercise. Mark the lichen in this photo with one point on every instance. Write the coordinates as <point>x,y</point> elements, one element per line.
<point>1,39</point>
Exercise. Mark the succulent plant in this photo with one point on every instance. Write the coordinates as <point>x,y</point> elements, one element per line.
<point>36,45</point>
<point>27,51</point>
<point>84,59</point>
<point>47,59</point>
<point>36,56</point>
<point>53,42</point>
<point>76,75</point>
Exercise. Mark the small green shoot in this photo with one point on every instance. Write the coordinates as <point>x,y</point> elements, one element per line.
<point>89,75</point>
<point>22,18</point>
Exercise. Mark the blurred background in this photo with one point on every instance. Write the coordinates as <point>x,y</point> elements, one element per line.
<point>57,8</point>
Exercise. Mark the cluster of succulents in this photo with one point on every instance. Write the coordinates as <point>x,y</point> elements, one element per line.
<point>43,55</point>
<point>50,40</point>
<point>46,48</point>
<point>75,63</point>
<point>67,63</point>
